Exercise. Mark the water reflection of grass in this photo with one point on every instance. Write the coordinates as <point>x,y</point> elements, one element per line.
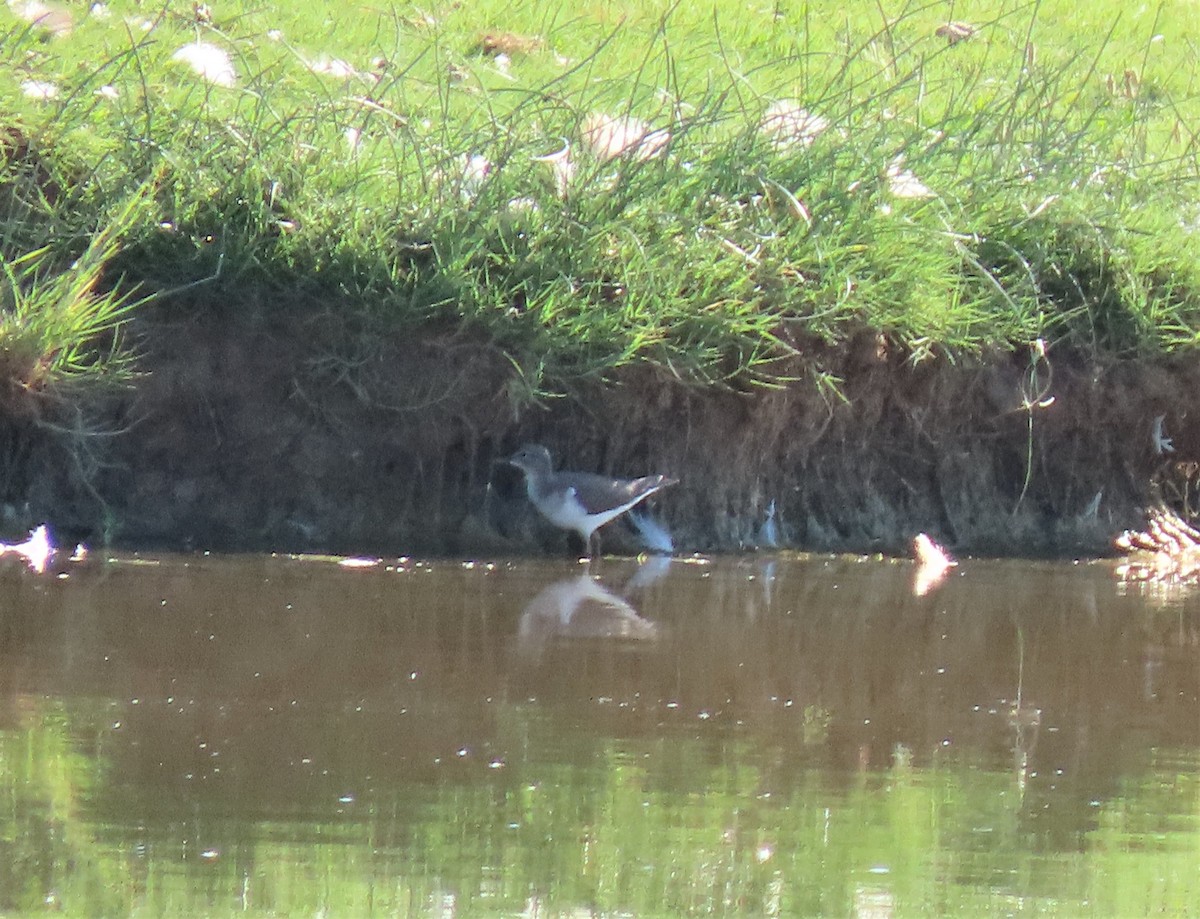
<point>306,757</point>
<point>655,827</point>
<point>49,858</point>
<point>1147,845</point>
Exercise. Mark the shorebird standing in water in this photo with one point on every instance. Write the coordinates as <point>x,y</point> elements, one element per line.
<point>580,501</point>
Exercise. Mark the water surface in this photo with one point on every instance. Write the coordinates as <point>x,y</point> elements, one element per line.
<point>756,736</point>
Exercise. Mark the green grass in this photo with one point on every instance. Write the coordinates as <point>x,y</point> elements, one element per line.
<point>58,329</point>
<point>1054,154</point>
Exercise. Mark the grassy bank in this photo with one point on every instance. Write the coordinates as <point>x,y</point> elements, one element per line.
<point>729,192</point>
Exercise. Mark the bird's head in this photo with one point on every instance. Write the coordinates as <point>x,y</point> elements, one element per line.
<point>532,459</point>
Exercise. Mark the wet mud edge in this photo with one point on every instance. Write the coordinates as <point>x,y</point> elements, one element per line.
<point>278,433</point>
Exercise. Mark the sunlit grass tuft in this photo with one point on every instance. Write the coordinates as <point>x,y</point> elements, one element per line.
<point>60,317</point>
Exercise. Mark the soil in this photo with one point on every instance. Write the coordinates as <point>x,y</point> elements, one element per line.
<point>267,430</point>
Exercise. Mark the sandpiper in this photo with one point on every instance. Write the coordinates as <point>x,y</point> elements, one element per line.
<point>580,501</point>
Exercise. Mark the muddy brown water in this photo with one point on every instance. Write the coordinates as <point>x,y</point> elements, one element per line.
<point>203,735</point>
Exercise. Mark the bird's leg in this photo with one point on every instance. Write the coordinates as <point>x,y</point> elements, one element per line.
<point>573,547</point>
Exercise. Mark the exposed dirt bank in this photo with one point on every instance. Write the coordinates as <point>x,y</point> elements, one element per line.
<point>286,433</point>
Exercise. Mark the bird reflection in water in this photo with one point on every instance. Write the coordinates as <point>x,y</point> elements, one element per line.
<point>581,608</point>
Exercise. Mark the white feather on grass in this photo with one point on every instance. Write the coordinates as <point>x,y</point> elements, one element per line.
<point>608,137</point>
<point>787,124</point>
<point>208,62</point>
<point>41,90</point>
